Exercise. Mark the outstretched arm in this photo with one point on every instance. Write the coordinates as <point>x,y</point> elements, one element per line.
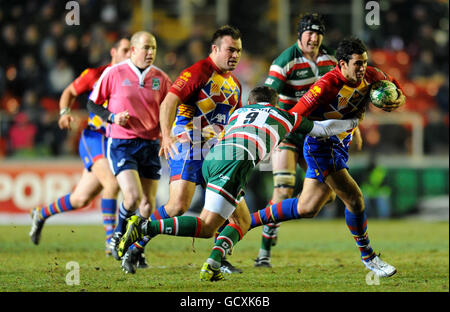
<point>330,127</point>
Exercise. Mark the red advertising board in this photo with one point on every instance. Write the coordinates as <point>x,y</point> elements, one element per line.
<point>27,184</point>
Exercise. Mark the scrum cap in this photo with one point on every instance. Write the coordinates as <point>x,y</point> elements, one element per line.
<point>313,22</point>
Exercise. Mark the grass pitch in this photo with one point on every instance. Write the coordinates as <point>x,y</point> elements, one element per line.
<point>311,256</point>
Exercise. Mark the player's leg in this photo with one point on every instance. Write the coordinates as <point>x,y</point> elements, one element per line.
<point>103,173</point>
<point>356,219</point>
<point>181,193</point>
<point>122,158</point>
<point>284,163</point>
<point>239,222</point>
<point>306,205</point>
<point>87,188</point>
<point>134,257</point>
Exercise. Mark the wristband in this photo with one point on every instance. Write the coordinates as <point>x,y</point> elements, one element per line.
<point>111,118</point>
<point>64,111</point>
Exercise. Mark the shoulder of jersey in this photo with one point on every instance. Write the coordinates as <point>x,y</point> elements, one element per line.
<point>287,54</point>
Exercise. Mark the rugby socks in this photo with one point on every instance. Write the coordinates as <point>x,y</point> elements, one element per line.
<point>357,224</point>
<point>109,207</point>
<point>178,226</point>
<point>269,233</point>
<point>160,213</point>
<point>230,235</point>
<point>220,229</point>
<point>61,205</point>
<point>121,220</point>
<point>282,211</point>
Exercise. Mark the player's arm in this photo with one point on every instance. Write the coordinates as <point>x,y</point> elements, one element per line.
<point>166,118</point>
<point>330,127</point>
<point>65,102</point>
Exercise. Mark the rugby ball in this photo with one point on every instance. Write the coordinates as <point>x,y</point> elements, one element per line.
<point>383,93</point>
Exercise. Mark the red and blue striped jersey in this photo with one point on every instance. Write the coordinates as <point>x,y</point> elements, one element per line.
<point>334,97</point>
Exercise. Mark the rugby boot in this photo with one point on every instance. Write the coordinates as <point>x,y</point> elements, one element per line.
<point>208,273</point>
<point>37,223</point>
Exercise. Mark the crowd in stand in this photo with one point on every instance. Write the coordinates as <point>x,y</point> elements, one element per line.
<point>40,55</point>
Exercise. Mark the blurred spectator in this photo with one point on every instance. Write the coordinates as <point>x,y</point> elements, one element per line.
<point>424,67</point>
<point>22,133</point>
<point>29,73</point>
<point>59,77</point>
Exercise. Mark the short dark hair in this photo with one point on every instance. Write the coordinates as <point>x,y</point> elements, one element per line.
<point>223,31</point>
<point>116,44</point>
<point>263,94</point>
<point>349,46</point>
<point>311,21</point>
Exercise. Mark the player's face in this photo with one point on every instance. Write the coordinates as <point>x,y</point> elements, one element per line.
<point>144,53</point>
<point>310,42</point>
<point>227,55</point>
<point>123,51</point>
<point>356,68</point>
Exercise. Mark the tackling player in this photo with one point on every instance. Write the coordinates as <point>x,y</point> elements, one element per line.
<point>96,175</point>
<point>251,135</point>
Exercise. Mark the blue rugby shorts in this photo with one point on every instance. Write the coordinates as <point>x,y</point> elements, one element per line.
<point>323,156</point>
<point>135,154</point>
<point>92,146</point>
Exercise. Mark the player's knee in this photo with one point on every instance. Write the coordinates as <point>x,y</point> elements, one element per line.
<point>176,209</point>
<point>111,189</point>
<point>308,212</point>
<point>355,202</point>
<point>331,198</point>
<point>307,209</point>
<point>132,200</point>
<point>282,193</point>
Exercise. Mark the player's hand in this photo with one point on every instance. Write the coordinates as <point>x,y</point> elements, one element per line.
<point>121,118</point>
<point>401,99</point>
<point>65,121</point>
<point>168,147</point>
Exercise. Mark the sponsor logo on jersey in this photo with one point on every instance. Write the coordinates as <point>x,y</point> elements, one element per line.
<point>269,81</point>
<point>316,90</point>
<point>302,73</point>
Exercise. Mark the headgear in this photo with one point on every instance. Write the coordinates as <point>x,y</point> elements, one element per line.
<point>313,22</point>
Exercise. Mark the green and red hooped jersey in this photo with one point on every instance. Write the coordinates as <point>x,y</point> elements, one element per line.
<point>291,74</point>
<point>259,128</point>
